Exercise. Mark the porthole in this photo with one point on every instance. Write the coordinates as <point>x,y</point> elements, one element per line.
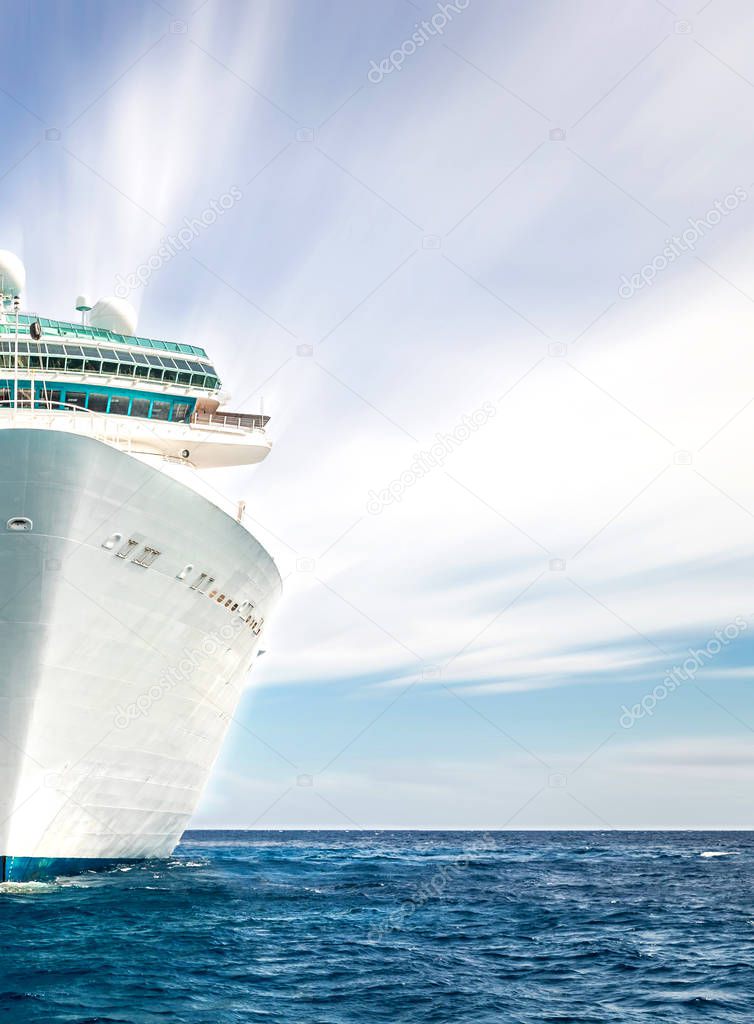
<point>19,524</point>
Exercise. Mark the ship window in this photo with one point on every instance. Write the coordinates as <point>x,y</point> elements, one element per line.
<point>180,412</point>
<point>154,360</point>
<point>182,364</point>
<point>184,378</point>
<point>140,407</point>
<point>77,398</point>
<point>126,357</point>
<point>142,371</point>
<point>155,374</point>
<point>119,405</point>
<point>169,376</point>
<point>160,410</point>
<point>108,353</point>
<point>74,364</point>
<point>126,369</point>
<point>48,399</point>
<point>92,366</point>
<point>92,353</point>
<point>97,402</point>
<point>197,381</point>
<point>55,350</point>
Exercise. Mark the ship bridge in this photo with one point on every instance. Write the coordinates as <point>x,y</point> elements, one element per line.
<point>143,395</point>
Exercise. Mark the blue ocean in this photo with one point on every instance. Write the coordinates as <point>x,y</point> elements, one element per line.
<point>335,927</point>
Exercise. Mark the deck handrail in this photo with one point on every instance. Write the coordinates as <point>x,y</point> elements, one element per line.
<point>254,421</point>
<point>243,421</point>
<point>47,406</point>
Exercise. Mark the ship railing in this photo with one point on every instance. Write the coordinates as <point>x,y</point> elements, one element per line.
<point>41,405</point>
<point>88,422</point>
<point>110,424</point>
<point>240,420</point>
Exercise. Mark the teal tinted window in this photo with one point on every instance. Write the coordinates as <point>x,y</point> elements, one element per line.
<point>119,405</point>
<point>140,407</point>
<point>97,402</point>
<point>160,410</point>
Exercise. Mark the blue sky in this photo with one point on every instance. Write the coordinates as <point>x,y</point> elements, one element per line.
<point>538,224</point>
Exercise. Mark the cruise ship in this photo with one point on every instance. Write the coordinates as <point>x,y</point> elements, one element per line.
<point>134,598</point>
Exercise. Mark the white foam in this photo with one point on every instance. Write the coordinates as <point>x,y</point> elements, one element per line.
<point>717,853</point>
<point>26,888</point>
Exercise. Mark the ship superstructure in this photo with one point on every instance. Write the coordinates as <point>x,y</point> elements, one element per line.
<point>133,603</point>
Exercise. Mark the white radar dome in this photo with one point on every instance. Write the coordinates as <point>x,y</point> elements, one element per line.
<point>114,314</point>
<point>12,274</point>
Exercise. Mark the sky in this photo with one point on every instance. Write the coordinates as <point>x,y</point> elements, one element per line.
<point>488,267</point>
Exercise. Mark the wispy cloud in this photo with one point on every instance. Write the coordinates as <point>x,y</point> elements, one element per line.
<point>403,254</point>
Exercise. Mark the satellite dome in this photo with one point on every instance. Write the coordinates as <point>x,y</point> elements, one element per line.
<point>12,274</point>
<point>114,314</point>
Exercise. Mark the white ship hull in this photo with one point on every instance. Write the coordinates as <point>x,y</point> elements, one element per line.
<point>117,681</point>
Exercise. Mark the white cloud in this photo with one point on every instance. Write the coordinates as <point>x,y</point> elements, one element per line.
<point>578,462</point>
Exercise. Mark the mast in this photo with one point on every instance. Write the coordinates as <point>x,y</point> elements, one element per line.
<point>16,305</point>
